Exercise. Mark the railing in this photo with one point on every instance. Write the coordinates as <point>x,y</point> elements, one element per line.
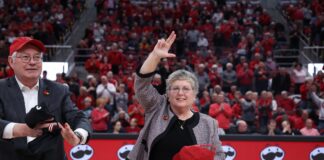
<point>57,50</point>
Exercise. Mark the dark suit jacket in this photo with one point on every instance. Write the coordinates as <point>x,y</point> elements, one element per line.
<point>12,109</point>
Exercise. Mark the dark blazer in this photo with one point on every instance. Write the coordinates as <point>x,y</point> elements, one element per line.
<point>12,109</point>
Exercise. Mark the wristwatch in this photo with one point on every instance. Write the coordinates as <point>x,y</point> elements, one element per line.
<point>79,136</point>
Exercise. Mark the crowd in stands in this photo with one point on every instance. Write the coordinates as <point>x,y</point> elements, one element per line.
<point>306,18</point>
<point>228,46</point>
<point>45,20</point>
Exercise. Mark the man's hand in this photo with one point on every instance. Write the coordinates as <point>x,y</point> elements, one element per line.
<point>69,135</point>
<point>22,130</point>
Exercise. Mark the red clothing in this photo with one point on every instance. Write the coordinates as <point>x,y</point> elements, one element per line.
<point>304,92</point>
<point>264,107</point>
<point>237,111</point>
<point>286,103</point>
<point>99,120</point>
<point>115,58</point>
<point>245,78</point>
<point>223,116</point>
<point>129,129</point>
<point>138,113</point>
<point>92,65</point>
<point>80,99</point>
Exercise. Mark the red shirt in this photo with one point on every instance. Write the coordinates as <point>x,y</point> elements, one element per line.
<point>223,116</point>
<point>237,110</point>
<point>98,119</point>
<point>286,103</point>
<point>136,129</point>
<point>245,78</point>
<point>139,114</point>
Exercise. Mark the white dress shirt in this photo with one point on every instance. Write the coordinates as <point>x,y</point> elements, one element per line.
<point>31,100</point>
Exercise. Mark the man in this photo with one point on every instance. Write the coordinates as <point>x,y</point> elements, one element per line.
<point>222,112</point>
<point>308,130</point>
<point>20,93</point>
<point>320,104</point>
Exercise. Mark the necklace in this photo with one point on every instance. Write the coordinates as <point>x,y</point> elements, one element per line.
<point>181,124</point>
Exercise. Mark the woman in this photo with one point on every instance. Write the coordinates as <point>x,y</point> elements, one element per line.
<point>100,116</point>
<point>170,123</point>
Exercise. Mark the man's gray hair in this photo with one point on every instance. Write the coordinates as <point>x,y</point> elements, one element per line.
<point>183,75</point>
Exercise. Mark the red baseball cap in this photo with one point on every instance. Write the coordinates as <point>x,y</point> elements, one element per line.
<point>20,42</point>
<point>195,152</point>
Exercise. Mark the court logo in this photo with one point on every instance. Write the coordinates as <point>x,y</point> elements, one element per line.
<point>317,154</point>
<point>124,151</point>
<point>229,151</point>
<point>272,153</point>
<point>81,152</point>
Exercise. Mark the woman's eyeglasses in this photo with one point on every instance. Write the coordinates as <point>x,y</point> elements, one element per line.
<point>183,89</point>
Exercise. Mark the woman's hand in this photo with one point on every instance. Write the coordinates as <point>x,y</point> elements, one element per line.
<point>163,46</point>
<point>161,50</point>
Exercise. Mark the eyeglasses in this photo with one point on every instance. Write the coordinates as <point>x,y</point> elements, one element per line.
<point>183,89</point>
<point>26,59</point>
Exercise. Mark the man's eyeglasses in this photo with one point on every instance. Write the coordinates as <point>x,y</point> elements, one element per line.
<point>27,59</point>
<point>183,89</point>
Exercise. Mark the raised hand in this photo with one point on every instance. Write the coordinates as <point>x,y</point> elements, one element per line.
<point>163,46</point>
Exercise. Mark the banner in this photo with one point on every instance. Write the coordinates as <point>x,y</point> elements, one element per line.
<point>118,149</point>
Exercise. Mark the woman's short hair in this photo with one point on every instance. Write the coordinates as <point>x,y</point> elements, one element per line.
<point>183,75</point>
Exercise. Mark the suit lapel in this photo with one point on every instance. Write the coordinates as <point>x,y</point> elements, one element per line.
<point>18,99</point>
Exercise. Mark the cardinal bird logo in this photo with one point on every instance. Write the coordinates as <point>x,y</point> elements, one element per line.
<point>272,153</point>
<point>123,151</point>
<point>81,152</point>
<point>230,152</point>
<point>317,154</point>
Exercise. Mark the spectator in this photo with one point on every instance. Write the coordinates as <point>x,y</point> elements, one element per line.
<point>308,130</point>
<point>264,109</point>
<point>203,79</point>
<point>92,64</point>
<point>286,103</point>
<point>272,129</point>
<point>135,110</point>
<point>305,88</point>
<point>222,112</point>
<point>121,98</point>
<point>281,81</point>
<point>204,102</point>
<point>88,107</point>
<point>320,104</point>
<point>100,116</point>
<point>133,127</point>
<point>245,78</point>
<point>117,127</point>
<point>80,99</point>
<point>261,78</point>
<point>158,84</point>
<point>106,90</point>
<point>44,74</point>
<point>91,85</point>
<point>122,117</point>
<point>299,76</point>
<point>248,110</point>
<point>228,78</point>
<point>116,58</point>
<point>241,127</point>
<point>287,129</point>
